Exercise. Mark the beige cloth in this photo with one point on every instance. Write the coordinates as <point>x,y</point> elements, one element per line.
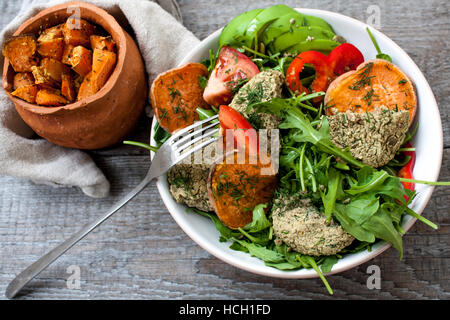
<point>162,41</point>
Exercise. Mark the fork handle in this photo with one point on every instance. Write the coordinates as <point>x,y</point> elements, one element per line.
<point>37,267</point>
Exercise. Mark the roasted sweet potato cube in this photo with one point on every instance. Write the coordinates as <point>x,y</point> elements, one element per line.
<point>77,32</point>
<point>103,63</point>
<point>67,54</point>
<point>51,48</point>
<point>23,79</point>
<point>67,87</point>
<point>51,33</point>
<point>27,93</point>
<point>41,78</point>
<point>20,51</point>
<point>103,43</point>
<point>85,88</point>
<point>54,69</point>
<point>81,60</point>
<point>50,97</point>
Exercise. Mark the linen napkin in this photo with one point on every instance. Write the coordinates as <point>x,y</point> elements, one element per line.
<point>162,41</point>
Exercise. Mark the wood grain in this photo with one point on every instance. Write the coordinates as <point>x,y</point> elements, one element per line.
<point>141,253</point>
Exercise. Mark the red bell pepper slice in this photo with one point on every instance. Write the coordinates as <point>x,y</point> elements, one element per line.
<point>320,64</point>
<point>231,119</point>
<point>344,58</point>
<point>407,170</point>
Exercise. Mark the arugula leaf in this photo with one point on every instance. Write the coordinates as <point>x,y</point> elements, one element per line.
<point>142,145</point>
<point>202,81</point>
<point>368,179</point>
<point>362,207</point>
<point>211,63</point>
<point>380,224</point>
<point>380,55</point>
<point>329,198</point>
<point>261,252</point>
<point>328,263</point>
<point>259,221</point>
<point>282,265</point>
<point>351,226</point>
<point>160,135</point>
<point>313,264</point>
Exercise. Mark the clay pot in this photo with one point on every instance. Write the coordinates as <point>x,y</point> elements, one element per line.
<point>102,119</point>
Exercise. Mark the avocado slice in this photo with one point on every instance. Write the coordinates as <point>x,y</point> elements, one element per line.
<point>258,25</point>
<point>282,25</point>
<point>322,45</point>
<point>233,33</point>
<point>318,22</point>
<point>299,34</point>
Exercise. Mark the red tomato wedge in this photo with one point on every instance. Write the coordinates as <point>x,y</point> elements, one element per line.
<point>231,68</point>
<point>344,58</point>
<point>231,119</point>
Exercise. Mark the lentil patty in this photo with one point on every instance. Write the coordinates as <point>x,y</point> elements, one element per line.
<point>372,137</point>
<point>304,229</point>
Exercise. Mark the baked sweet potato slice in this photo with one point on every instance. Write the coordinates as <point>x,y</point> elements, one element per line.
<point>67,54</point>
<point>176,94</point>
<point>23,79</point>
<point>77,32</point>
<point>81,60</point>
<point>50,97</point>
<point>85,89</point>
<point>103,43</point>
<point>234,189</point>
<point>27,93</point>
<point>20,51</point>
<point>373,84</point>
<point>67,87</point>
<point>52,48</point>
<point>103,63</point>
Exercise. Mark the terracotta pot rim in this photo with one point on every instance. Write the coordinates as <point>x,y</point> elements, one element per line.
<point>109,20</point>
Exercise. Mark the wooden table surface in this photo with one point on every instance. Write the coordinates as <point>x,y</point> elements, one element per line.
<point>141,253</point>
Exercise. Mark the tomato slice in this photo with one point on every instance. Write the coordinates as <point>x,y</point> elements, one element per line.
<point>231,68</point>
<point>320,64</point>
<point>231,119</point>
<point>344,58</point>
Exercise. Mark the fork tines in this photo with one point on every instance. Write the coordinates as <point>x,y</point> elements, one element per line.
<point>194,137</point>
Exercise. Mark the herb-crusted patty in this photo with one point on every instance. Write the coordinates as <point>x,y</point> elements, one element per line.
<point>263,87</point>
<point>304,229</point>
<point>372,137</point>
<point>188,179</point>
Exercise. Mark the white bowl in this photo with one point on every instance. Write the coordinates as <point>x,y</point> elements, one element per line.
<point>428,141</point>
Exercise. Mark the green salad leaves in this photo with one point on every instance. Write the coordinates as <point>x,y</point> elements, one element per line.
<point>368,203</point>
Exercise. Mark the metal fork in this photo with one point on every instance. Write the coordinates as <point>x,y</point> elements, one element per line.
<point>179,146</point>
